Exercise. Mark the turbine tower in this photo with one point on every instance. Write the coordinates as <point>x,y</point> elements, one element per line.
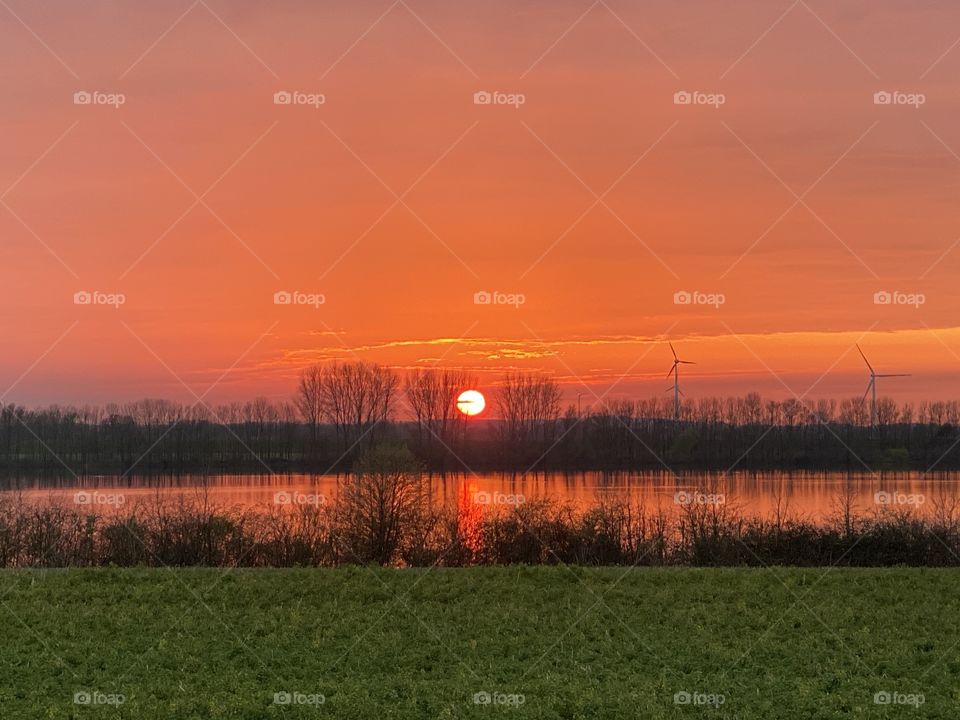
<point>675,371</point>
<point>872,387</point>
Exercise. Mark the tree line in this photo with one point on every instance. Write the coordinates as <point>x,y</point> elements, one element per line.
<point>340,410</point>
<point>385,513</point>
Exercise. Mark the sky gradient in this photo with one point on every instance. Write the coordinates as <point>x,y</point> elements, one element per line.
<point>598,199</point>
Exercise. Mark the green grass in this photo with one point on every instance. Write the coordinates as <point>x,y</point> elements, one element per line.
<point>576,643</point>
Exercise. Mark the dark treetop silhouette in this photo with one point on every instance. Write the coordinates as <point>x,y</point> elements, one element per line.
<point>341,409</point>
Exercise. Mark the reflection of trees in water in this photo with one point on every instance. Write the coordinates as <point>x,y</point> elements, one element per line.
<point>811,496</point>
<point>387,519</point>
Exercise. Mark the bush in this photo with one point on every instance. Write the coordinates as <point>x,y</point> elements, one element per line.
<point>385,516</point>
<point>382,506</point>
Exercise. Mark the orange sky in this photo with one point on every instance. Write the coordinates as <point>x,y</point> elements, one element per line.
<point>300,198</point>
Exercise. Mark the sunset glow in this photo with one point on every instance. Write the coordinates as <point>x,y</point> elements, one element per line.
<point>515,358</point>
<point>301,129</point>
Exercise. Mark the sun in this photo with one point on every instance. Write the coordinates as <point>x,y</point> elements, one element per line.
<point>471,402</point>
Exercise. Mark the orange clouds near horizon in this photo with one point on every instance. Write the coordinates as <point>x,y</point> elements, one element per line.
<point>783,214</point>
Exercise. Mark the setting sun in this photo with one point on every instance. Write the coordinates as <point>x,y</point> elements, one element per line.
<point>471,402</point>
<point>703,256</point>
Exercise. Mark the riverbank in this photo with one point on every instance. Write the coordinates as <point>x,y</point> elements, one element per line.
<point>540,642</point>
<point>694,529</point>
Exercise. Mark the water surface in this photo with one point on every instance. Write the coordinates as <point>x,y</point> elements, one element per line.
<point>814,496</point>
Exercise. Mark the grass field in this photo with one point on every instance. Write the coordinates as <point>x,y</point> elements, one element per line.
<point>542,642</point>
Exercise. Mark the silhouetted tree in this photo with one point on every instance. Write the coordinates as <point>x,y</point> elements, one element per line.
<point>432,397</point>
<point>529,406</point>
<point>381,503</point>
<point>308,399</point>
<point>355,398</point>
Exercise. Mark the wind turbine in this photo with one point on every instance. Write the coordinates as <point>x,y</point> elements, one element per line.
<point>675,371</point>
<point>872,387</point>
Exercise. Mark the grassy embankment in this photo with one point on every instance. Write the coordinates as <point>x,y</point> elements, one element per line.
<point>387,643</point>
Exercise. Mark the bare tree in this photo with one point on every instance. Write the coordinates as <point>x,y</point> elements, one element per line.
<point>887,411</point>
<point>355,398</point>
<point>308,397</point>
<point>529,406</point>
<point>381,503</point>
<point>432,396</point>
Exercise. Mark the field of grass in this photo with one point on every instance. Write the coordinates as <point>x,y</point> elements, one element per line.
<point>541,642</point>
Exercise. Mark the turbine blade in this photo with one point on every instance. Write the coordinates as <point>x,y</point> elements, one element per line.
<point>672,350</point>
<point>865,359</point>
<point>672,370</point>
<point>895,375</point>
<point>867,391</point>
<point>687,362</point>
